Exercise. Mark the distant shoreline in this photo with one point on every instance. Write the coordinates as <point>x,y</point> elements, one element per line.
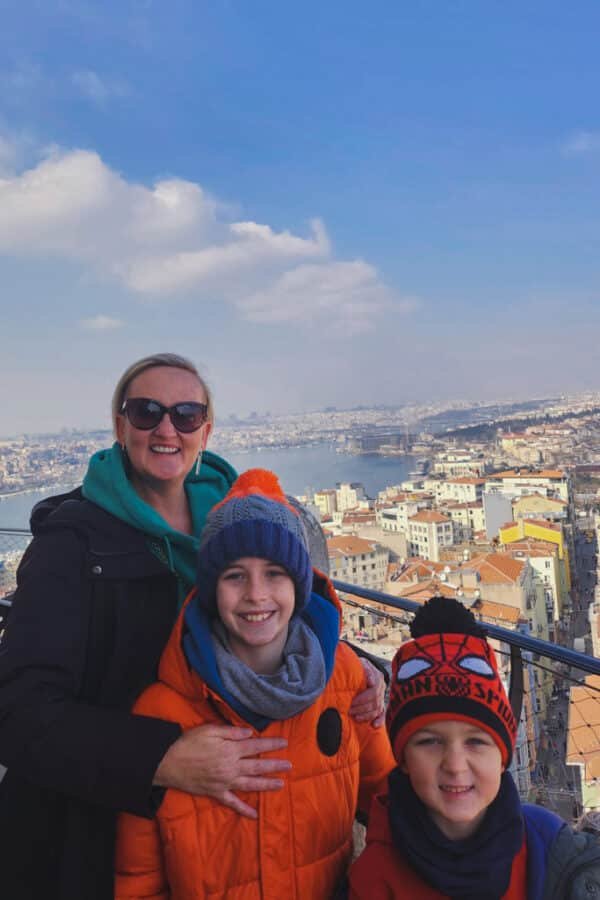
<point>33,489</point>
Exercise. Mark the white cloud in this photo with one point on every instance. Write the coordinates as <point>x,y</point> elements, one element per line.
<point>97,89</point>
<point>8,156</point>
<point>101,323</point>
<point>245,246</point>
<point>346,295</point>
<point>581,143</point>
<point>173,237</point>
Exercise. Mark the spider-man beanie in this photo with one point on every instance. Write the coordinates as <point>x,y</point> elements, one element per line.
<point>448,671</point>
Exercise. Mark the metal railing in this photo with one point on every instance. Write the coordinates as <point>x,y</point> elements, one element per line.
<point>519,639</point>
<point>545,777</point>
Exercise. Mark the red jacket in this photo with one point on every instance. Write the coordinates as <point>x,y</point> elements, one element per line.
<point>300,845</point>
<point>382,873</point>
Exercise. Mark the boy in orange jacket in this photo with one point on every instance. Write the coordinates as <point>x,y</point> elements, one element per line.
<point>257,645</point>
<point>451,824</point>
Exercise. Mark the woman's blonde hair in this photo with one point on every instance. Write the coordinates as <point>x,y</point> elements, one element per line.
<point>171,360</point>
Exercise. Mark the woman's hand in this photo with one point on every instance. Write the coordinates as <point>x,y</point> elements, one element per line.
<point>368,706</point>
<point>215,760</point>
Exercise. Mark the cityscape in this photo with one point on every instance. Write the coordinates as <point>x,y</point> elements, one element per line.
<point>499,507</point>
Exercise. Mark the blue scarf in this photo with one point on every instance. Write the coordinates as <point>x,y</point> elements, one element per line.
<point>476,868</point>
<point>320,616</point>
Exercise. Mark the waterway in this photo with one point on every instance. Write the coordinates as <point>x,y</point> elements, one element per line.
<point>302,470</point>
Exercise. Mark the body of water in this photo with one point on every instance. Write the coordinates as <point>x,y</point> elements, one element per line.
<point>301,470</point>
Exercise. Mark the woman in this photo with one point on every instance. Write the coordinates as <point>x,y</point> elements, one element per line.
<point>98,591</point>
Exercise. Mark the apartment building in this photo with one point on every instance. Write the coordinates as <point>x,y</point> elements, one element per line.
<point>541,530</point>
<point>544,558</point>
<point>428,532</point>
<point>358,561</point>
<point>467,519</point>
<point>521,481</point>
<point>467,489</point>
<point>326,502</point>
<point>350,495</point>
<point>536,506</point>
<point>457,463</point>
<point>394,515</point>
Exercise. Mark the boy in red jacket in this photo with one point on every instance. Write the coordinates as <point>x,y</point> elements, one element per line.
<point>452,824</point>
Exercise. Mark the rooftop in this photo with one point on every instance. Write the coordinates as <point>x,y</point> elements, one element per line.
<point>583,744</point>
<point>429,515</point>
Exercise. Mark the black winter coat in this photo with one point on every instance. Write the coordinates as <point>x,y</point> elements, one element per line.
<point>93,610</point>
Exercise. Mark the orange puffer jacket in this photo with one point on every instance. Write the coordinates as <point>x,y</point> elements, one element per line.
<point>300,845</point>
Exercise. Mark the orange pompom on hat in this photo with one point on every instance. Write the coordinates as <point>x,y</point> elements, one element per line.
<point>254,519</point>
<point>449,671</point>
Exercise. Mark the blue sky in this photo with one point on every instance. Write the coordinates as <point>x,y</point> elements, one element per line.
<point>334,203</point>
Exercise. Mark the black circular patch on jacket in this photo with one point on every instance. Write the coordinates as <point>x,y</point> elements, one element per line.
<point>329,731</point>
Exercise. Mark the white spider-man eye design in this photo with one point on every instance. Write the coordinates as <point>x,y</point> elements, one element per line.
<point>413,667</point>
<point>478,665</point>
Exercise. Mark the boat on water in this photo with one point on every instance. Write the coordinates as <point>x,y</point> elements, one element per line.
<point>421,468</point>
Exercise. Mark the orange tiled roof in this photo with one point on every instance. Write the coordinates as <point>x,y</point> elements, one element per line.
<point>424,590</point>
<point>349,545</point>
<point>361,516</point>
<point>544,523</point>
<point>428,515</point>
<point>500,612</point>
<point>496,568</point>
<point>419,569</point>
<point>532,546</point>
<point>583,743</point>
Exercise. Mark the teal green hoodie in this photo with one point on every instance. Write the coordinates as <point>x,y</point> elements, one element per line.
<point>106,484</point>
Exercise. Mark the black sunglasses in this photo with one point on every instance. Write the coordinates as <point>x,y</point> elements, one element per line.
<point>146,414</point>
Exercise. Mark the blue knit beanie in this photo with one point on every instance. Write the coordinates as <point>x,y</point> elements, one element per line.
<point>254,519</point>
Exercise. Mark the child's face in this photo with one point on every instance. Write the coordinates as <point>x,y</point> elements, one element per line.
<point>455,769</point>
<point>255,601</point>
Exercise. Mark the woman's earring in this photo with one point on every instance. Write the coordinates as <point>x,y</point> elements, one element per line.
<point>198,464</point>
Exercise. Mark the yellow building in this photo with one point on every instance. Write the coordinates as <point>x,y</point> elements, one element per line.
<point>541,530</point>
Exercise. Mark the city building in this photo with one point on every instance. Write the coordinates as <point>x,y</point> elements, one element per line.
<point>544,558</point>
<point>394,515</point>
<point>467,519</point>
<point>541,530</point>
<point>358,561</point>
<point>428,532</point>
<point>457,463</point>
<point>349,495</point>
<point>527,480</point>
<point>326,502</point>
<point>460,490</point>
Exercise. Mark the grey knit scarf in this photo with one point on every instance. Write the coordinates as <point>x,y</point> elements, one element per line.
<point>294,687</point>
